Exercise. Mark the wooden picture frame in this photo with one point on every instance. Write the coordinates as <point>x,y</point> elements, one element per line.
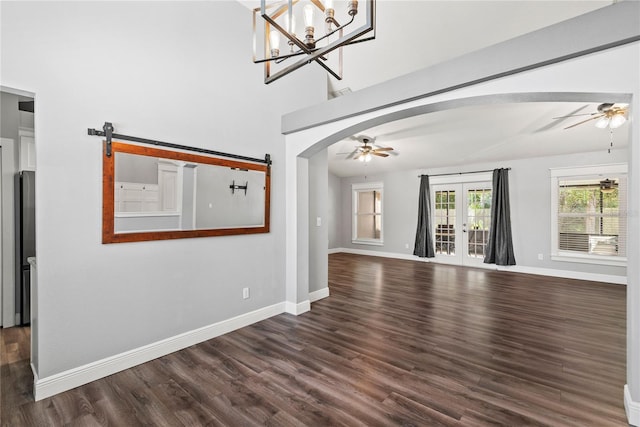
<point>109,234</point>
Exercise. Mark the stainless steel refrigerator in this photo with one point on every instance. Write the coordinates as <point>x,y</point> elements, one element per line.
<point>25,220</point>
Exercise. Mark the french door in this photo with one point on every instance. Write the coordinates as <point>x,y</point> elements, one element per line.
<point>461,222</point>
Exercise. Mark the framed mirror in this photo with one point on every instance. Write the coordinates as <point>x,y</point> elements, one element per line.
<point>156,194</point>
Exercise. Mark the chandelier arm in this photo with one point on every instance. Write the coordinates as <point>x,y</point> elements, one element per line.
<point>327,68</point>
<point>336,30</point>
<point>281,58</point>
<point>318,59</point>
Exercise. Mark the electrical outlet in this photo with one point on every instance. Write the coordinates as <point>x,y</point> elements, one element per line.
<point>318,222</point>
<point>245,293</point>
<point>540,257</point>
<point>406,246</point>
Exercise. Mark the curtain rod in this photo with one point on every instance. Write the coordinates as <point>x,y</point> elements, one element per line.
<point>460,173</point>
<point>107,131</point>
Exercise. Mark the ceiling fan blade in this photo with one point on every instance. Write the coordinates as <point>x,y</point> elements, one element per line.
<point>573,115</point>
<point>383,149</point>
<point>379,154</point>
<point>584,121</point>
<point>358,156</point>
<point>556,121</point>
<point>351,154</point>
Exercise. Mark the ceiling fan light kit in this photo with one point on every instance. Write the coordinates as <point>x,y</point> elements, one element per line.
<point>367,150</point>
<point>365,158</point>
<point>608,186</point>
<point>612,118</point>
<point>617,120</point>
<point>344,23</point>
<point>603,122</point>
<point>608,115</point>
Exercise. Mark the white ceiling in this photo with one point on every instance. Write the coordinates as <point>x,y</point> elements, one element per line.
<point>416,34</point>
<point>411,35</point>
<point>479,134</point>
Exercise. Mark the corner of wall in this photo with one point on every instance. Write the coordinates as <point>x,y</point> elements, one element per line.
<point>631,408</point>
<point>297,309</point>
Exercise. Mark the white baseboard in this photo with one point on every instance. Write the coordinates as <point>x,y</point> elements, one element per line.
<point>631,408</point>
<point>63,381</point>
<point>335,250</point>
<point>297,309</point>
<point>378,253</point>
<point>565,274</point>
<point>319,294</point>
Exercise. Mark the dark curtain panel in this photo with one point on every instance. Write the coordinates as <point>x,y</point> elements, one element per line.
<point>500,244</point>
<point>424,240</point>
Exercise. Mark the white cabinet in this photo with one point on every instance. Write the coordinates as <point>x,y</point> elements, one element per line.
<point>136,197</point>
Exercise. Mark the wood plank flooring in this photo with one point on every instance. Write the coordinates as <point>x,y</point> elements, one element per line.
<point>397,343</point>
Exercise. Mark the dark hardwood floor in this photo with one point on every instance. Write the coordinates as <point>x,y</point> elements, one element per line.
<point>397,343</point>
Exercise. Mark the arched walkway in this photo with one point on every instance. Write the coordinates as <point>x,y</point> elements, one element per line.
<point>576,79</point>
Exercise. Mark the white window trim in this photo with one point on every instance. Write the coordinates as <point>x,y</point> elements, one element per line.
<point>354,212</point>
<point>570,172</point>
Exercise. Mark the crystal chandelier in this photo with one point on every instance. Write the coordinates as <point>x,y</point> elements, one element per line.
<point>328,26</point>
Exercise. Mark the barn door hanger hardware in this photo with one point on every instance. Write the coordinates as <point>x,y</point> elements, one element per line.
<point>108,132</point>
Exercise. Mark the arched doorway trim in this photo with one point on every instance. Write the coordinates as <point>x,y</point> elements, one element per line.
<point>576,79</point>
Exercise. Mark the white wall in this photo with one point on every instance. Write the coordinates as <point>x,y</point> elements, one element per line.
<point>318,233</point>
<point>334,220</point>
<point>164,71</point>
<point>530,191</point>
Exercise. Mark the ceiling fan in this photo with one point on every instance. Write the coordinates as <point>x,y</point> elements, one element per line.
<point>607,115</point>
<point>365,151</point>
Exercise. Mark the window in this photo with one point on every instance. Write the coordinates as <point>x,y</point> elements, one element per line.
<point>478,219</point>
<point>445,221</point>
<point>367,213</point>
<point>589,212</point>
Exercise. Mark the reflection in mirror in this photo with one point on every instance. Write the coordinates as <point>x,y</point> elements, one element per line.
<point>161,194</point>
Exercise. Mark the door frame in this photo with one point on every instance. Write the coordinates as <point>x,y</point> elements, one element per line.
<point>10,146</point>
<point>460,182</point>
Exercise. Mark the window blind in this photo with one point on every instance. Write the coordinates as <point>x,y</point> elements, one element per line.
<point>592,215</point>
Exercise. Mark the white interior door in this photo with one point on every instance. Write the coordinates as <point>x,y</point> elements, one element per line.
<point>461,221</point>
